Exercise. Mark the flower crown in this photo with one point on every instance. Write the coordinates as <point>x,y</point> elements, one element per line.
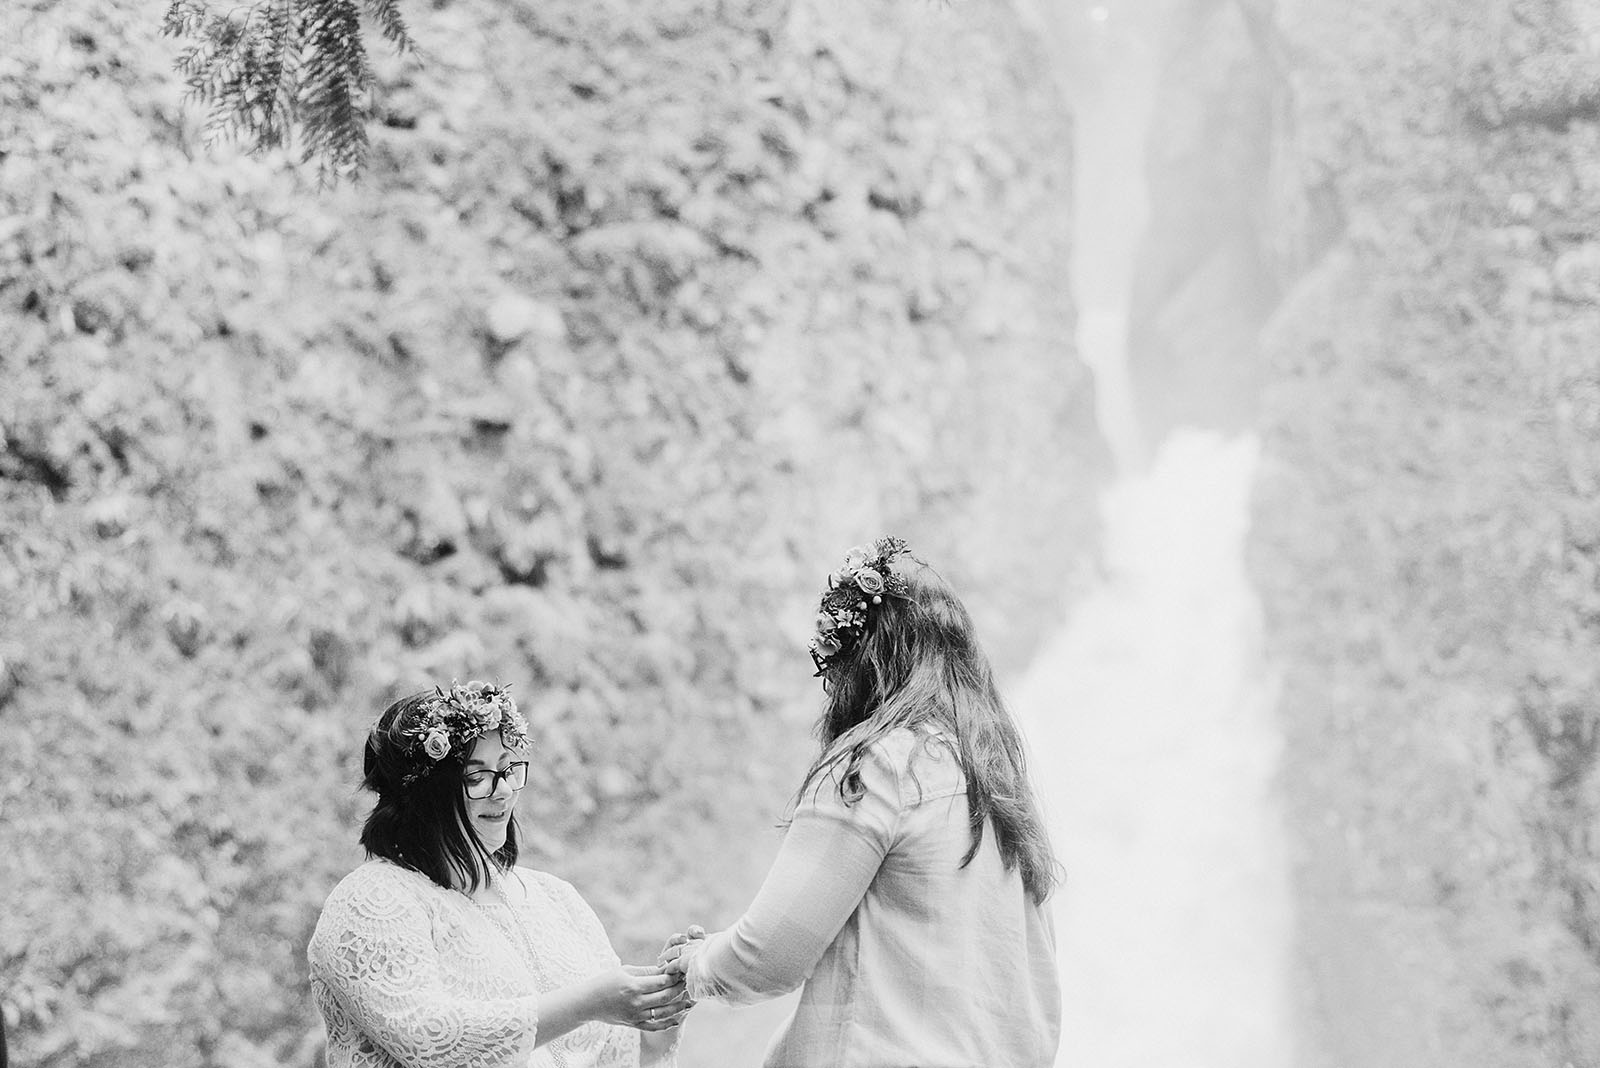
<point>863,581</point>
<point>451,720</point>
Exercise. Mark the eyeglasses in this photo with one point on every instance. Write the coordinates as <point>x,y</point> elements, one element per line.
<point>481,784</point>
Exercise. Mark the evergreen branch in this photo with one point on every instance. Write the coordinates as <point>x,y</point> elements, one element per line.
<point>267,67</point>
<point>386,13</point>
<point>336,74</point>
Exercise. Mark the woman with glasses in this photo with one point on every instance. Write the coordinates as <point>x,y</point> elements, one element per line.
<point>440,951</point>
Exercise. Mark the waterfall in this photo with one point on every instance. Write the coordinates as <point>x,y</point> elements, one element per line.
<point>1150,721</point>
<point>1150,714</point>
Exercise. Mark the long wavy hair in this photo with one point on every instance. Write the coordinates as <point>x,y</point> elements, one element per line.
<point>919,664</point>
<point>423,825</point>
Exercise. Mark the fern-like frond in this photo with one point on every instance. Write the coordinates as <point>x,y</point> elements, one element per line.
<point>271,68</point>
<point>386,13</point>
<point>335,78</point>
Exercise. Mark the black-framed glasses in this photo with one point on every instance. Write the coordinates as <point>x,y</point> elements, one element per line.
<point>481,784</point>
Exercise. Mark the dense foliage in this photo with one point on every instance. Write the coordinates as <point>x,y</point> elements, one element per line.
<point>1427,529</point>
<point>641,315</point>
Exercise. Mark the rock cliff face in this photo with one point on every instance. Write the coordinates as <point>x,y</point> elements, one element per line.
<point>642,316</point>
<point>1426,536</point>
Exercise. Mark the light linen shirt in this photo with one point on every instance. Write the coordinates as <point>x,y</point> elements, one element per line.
<point>907,958</point>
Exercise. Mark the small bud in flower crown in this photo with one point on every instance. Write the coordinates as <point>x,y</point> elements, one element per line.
<point>861,605</point>
<point>877,600</point>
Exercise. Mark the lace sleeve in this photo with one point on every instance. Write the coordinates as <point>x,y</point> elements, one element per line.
<point>654,1050</point>
<point>373,952</point>
<point>584,919</point>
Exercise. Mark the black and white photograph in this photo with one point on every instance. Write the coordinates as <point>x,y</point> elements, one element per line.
<point>799,533</point>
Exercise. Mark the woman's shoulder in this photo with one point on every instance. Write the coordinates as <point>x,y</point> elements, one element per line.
<point>899,743</point>
<point>535,877</point>
<point>884,757</point>
<point>377,901</point>
<point>553,885</point>
<point>926,755</point>
<point>543,886</point>
<point>380,879</point>
<point>902,747</point>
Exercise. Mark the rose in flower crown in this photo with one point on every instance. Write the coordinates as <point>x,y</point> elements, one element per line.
<point>453,719</point>
<point>862,583</point>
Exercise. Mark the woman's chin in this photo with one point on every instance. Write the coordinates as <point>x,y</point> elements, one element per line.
<point>491,833</point>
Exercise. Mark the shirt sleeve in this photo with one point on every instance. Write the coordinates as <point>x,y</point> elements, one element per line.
<point>374,956</point>
<point>829,857</point>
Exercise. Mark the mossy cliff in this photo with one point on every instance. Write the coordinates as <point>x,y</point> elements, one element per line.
<point>640,317</point>
<point>1427,535</point>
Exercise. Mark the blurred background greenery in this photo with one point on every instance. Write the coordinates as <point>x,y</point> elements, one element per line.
<point>642,313</point>
<point>639,317</point>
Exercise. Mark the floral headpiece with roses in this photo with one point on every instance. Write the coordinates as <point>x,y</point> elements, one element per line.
<point>863,582</point>
<point>451,720</point>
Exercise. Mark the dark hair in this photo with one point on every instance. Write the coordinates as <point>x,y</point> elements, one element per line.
<point>423,825</point>
<point>919,663</point>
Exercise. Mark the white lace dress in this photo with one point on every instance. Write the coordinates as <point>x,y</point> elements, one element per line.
<point>406,973</point>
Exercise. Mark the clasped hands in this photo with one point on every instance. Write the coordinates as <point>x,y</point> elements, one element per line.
<point>680,949</point>
<point>653,997</point>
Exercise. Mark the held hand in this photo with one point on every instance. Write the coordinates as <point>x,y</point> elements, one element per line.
<point>673,1013</point>
<point>694,932</point>
<point>641,996</point>
<point>680,949</point>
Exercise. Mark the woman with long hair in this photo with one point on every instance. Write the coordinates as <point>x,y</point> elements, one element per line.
<point>439,951</point>
<point>908,897</point>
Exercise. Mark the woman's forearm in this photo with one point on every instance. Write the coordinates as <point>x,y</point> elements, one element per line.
<point>565,1009</point>
<point>627,996</point>
<point>821,872</point>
